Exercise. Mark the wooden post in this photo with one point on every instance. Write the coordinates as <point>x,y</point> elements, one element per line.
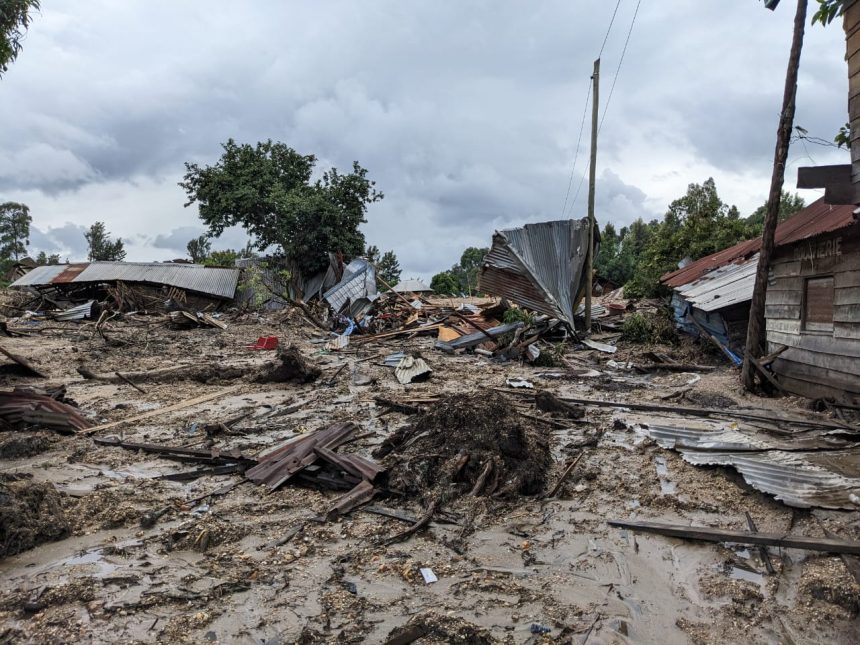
<point>756,329</point>
<point>592,171</point>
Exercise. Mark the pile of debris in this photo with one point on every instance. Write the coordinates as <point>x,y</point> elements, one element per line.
<point>30,514</point>
<point>467,445</point>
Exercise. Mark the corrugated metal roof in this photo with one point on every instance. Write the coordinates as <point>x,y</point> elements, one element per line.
<point>359,281</point>
<point>804,472</point>
<point>219,282</point>
<point>538,266</point>
<point>411,286</point>
<point>725,286</point>
<point>817,218</point>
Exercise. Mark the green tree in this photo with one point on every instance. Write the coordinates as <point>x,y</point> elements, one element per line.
<point>788,205</point>
<point>101,247</point>
<point>199,248</point>
<point>445,283</point>
<point>43,259</point>
<point>387,266</point>
<point>695,225</point>
<point>15,18</point>
<point>15,223</point>
<point>465,272</point>
<point>267,190</point>
<point>225,258</point>
<point>828,10</point>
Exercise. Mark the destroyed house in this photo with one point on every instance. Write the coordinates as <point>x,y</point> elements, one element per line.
<point>132,282</point>
<point>712,295</point>
<point>539,266</point>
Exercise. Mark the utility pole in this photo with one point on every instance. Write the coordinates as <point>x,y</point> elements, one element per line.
<point>756,329</point>
<point>592,171</point>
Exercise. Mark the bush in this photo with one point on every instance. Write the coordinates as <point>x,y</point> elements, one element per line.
<point>658,327</point>
<point>516,314</point>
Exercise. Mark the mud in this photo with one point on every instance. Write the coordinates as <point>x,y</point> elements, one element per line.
<point>250,566</point>
<point>30,514</point>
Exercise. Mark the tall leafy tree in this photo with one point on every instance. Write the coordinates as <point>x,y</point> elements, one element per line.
<point>199,248</point>
<point>101,247</point>
<point>788,205</point>
<point>15,18</point>
<point>43,258</point>
<point>15,223</point>
<point>387,265</point>
<point>445,283</point>
<point>267,189</point>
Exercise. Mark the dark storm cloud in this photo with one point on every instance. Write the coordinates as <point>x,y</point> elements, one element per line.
<point>467,114</point>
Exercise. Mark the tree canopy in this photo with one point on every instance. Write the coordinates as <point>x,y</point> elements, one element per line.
<point>463,276</point>
<point>387,266</point>
<point>199,248</point>
<point>15,18</point>
<point>101,247</point>
<point>267,189</point>
<point>43,258</point>
<point>15,220</point>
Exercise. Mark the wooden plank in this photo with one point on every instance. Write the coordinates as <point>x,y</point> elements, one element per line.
<point>23,362</point>
<point>846,364</point>
<point>170,408</point>
<point>784,326</point>
<point>846,279</point>
<point>706,534</point>
<point>846,313</point>
<point>786,366</point>
<point>839,194</point>
<point>846,330</point>
<point>818,391</point>
<point>846,296</point>
<point>783,297</point>
<point>785,267</point>
<point>821,343</point>
<point>823,176</point>
<point>764,372</point>
<point>787,312</point>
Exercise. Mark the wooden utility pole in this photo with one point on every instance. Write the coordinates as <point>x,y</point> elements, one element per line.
<point>592,170</point>
<point>756,329</point>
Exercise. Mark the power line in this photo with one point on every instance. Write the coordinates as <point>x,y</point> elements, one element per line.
<point>576,154</point>
<point>612,20</point>
<point>618,69</point>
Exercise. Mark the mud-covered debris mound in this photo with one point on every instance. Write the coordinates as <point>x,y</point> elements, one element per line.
<point>30,514</point>
<point>19,445</point>
<point>290,367</point>
<point>472,444</point>
<point>434,627</point>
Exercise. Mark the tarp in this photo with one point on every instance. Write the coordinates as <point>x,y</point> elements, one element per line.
<point>538,266</point>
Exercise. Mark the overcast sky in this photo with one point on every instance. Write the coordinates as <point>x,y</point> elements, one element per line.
<point>466,113</point>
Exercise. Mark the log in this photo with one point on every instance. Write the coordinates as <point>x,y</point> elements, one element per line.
<point>565,474</point>
<point>706,534</point>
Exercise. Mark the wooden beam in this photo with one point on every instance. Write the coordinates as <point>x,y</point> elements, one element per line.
<point>706,534</point>
<point>823,176</point>
<point>839,194</point>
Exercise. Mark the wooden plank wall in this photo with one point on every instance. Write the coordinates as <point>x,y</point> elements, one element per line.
<point>851,24</point>
<point>817,364</point>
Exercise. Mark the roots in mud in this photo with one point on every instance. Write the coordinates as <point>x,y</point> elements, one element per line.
<point>292,367</point>
<point>475,445</point>
<point>30,514</point>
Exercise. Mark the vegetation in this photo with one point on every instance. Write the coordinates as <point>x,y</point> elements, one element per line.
<point>267,189</point>
<point>518,314</point>
<point>462,278</point>
<point>387,266</point>
<point>199,248</point>
<point>42,259</point>
<point>225,258</point>
<point>695,225</point>
<point>15,18</point>
<point>828,10</point>
<point>101,247</point>
<point>650,328</point>
<point>15,223</point>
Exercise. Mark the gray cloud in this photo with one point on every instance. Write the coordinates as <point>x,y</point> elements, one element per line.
<point>467,114</point>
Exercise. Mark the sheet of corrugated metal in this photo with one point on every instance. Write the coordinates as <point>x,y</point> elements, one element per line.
<point>817,218</point>
<point>538,266</point>
<point>722,287</point>
<point>219,282</point>
<point>804,472</point>
<point>359,281</point>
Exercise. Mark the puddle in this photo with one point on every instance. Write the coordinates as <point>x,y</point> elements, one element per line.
<point>667,486</point>
<point>736,572</point>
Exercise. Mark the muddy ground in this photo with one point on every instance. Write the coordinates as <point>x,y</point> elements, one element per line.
<point>515,569</point>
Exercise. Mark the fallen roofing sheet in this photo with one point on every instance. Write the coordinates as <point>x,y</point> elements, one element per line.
<point>722,287</point>
<point>24,408</point>
<point>817,218</point>
<point>358,282</point>
<point>538,266</point>
<point>212,281</point>
<point>812,470</point>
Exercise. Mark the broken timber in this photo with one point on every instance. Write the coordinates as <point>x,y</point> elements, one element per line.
<point>706,534</point>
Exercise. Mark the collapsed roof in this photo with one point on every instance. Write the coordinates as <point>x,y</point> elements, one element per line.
<point>539,266</point>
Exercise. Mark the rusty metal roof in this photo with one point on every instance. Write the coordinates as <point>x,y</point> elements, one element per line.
<point>538,266</point>
<point>817,218</point>
<point>212,281</point>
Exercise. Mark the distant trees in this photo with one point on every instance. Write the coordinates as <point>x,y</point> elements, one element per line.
<point>15,18</point>
<point>225,258</point>
<point>15,223</point>
<point>463,276</point>
<point>101,248</point>
<point>387,265</point>
<point>267,189</point>
<point>695,225</point>
<point>42,259</point>
<point>199,248</point>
